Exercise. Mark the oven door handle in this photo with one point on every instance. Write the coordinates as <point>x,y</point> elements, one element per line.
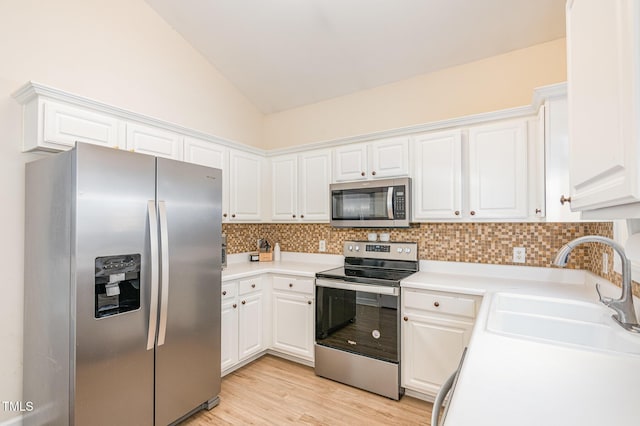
<point>368,288</point>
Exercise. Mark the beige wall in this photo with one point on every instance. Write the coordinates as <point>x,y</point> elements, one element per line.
<point>491,84</point>
<point>115,51</point>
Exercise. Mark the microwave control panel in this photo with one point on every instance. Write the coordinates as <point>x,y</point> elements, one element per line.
<point>399,202</point>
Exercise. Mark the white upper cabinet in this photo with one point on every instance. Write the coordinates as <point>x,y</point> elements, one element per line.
<point>488,172</point>
<point>603,50</point>
<point>350,163</point>
<point>65,125</point>
<point>208,154</point>
<point>154,141</point>
<point>314,172</point>
<point>556,152</point>
<point>284,189</point>
<point>53,126</point>
<point>380,159</point>
<point>389,158</point>
<point>300,186</point>
<point>437,176</point>
<point>498,170</point>
<point>245,185</point>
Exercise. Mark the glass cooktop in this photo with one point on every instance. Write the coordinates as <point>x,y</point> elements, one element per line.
<point>390,277</point>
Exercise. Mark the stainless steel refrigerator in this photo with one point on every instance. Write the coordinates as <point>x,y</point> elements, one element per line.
<point>122,288</point>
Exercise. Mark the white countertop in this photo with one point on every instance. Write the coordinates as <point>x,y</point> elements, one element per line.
<point>300,264</point>
<point>506,380</point>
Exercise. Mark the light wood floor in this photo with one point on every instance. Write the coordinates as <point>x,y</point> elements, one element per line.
<point>274,391</point>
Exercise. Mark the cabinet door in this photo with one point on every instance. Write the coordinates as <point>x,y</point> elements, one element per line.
<point>229,334</point>
<point>65,125</point>
<point>284,189</point>
<point>556,151</point>
<point>245,185</point>
<point>350,163</point>
<point>498,184</point>
<point>437,170</point>
<point>389,157</point>
<point>250,325</point>
<point>153,141</point>
<point>315,177</point>
<point>431,351</point>
<point>293,324</point>
<point>603,59</point>
<point>209,154</point>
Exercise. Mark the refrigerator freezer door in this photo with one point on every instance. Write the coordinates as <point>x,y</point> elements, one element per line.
<point>114,374</point>
<point>187,353</point>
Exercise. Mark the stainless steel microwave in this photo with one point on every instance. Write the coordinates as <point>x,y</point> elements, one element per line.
<point>384,203</point>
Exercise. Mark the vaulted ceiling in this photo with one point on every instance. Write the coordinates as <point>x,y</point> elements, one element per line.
<point>286,53</point>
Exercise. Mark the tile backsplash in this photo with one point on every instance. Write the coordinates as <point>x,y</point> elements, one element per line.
<point>490,243</point>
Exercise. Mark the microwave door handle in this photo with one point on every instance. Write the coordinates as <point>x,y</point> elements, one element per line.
<point>390,203</point>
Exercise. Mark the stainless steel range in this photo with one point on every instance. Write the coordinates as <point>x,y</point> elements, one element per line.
<point>358,316</point>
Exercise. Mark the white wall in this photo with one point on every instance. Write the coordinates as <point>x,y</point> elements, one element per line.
<point>116,51</point>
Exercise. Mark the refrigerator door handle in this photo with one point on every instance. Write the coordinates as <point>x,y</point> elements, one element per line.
<point>153,306</point>
<point>164,277</point>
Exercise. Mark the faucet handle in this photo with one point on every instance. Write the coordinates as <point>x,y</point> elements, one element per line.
<point>606,300</point>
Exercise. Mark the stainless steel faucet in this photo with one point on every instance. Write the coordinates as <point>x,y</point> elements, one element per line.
<point>625,312</point>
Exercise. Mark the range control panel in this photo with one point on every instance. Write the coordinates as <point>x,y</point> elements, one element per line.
<point>380,250</point>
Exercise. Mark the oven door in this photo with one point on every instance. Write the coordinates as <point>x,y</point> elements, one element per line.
<point>359,318</point>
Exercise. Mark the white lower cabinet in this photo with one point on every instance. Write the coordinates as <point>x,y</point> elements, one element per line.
<point>229,326</point>
<point>436,327</point>
<point>293,305</point>
<point>242,321</point>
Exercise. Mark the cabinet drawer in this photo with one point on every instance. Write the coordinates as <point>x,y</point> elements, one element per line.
<point>441,303</point>
<point>250,285</point>
<point>299,285</point>
<point>229,291</point>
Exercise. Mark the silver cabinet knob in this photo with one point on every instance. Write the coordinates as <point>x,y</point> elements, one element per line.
<point>564,199</point>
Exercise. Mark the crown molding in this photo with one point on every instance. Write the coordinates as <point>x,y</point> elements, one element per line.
<point>32,90</point>
<point>540,95</point>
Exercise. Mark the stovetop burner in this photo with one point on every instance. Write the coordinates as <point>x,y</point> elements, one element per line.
<point>378,276</point>
<point>380,263</point>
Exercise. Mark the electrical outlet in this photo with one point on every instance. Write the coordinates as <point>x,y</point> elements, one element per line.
<point>322,246</point>
<point>519,254</point>
<point>605,263</point>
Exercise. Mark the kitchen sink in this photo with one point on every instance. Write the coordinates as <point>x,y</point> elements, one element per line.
<point>560,321</point>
